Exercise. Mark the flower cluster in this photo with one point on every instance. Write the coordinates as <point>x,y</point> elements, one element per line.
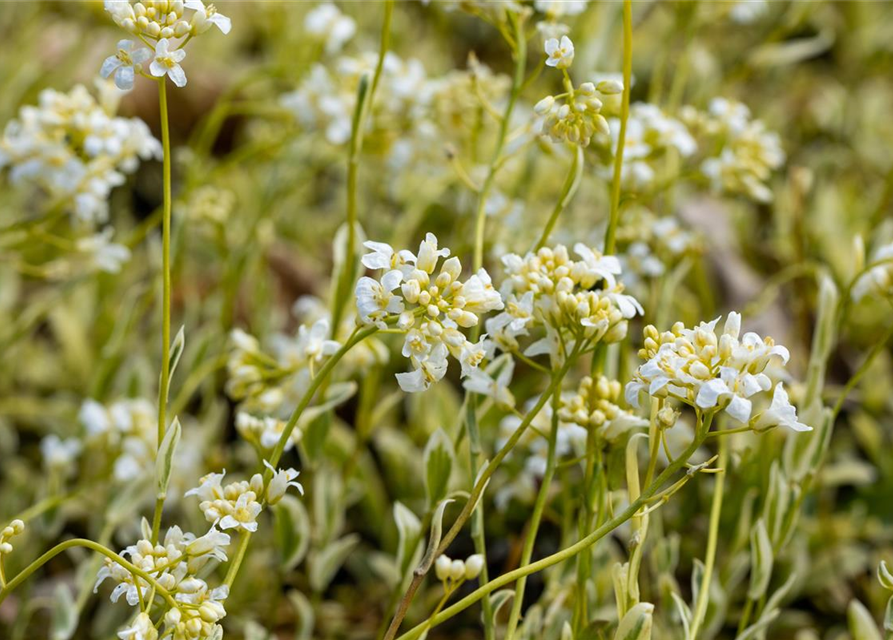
<point>74,147</point>
<point>453,572</point>
<point>548,289</point>
<point>878,279</point>
<point>575,115</point>
<point>327,23</point>
<point>430,305</point>
<point>174,564</point>
<point>593,406</point>
<point>126,428</point>
<point>650,135</point>
<point>747,152</point>
<point>714,372</point>
<point>165,23</point>
<point>651,245</point>
<point>237,504</point>
<point>8,532</point>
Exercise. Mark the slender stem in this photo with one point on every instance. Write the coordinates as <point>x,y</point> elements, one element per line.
<point>95,546</point>
<point>611,233</point>
<point>361,114</point>
<point>420,572</point>
<point>477,518</point>
<point>568,552</point>
<point>237,559</point>
<point>517,83</point>
<point>166,287</point>
<point>535,518</point>
<point>357,337</point>
<point>862,370</point>
<point>571,183</point>
<point>712,539</point>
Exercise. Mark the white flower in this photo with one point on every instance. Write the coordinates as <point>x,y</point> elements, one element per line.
<point>104,255</point>
<point>58,453</point>
<point>429,253</point>
<point>280,482</point>
<point>244,514</point>
<point>429,370</point>
<point>141,629</point>
<point>479,381</point>
<point>124,64</point>
<point>780,412</point>
<point>328,22</point>
<point>206,16</point>
<point>560,54</point>
<point>167,62</point>
<point>375,300</point>
<point>314,343</point>
<point>383,256</point>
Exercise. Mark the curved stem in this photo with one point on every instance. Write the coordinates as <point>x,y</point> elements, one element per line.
<point>611,233</point>
<point>535,518</point>
<point>166,287</point>
<point>571,183</point>
<point>712,539</point>
<point>95,546</point>
<point>568,552</point>
<point>861,371</point>
<point>517,83</point>
<point>477,518</point>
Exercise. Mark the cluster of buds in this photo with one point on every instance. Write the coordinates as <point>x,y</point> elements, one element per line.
<point>127,430</point>
<point>877,279</point>
<point>429,308</point>
<point>714,372</point>
<point>454,572</point>
<point>237,504</point>
<point>575,116</point>
<point>548,289</point>
<point>164,23</point>
<point>10,531</point>
<point>264,431</point>
<point>594,407</point>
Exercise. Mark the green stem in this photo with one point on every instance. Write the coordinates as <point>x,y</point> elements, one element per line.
<point>166,287</point>
<point>460,521</point>
<point>571,183</point>
<point>861,371</point>
<point>237,559</point>
<point>477,518</point>
<point>611,233</point>
<point>95,546</point>
<point>361,114</point>
<point>570,551</point>
<point>535,518</point>
<point>712,539</point>
<point>517,82</point>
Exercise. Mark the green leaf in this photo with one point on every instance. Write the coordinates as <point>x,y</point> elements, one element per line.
<point>409,528</point>
<point>762,559</point>
<point>292,530</point>
<point>884,576</point>
<point>636,624</point>
<point>436,533</point>
<point>64,613</point>
<point>164,461</point>
<point>438,457</point>
<point>888,616</point>
<point>325,564</point>
<point>862,626</point>
<point>176,351</point>
<point>684,612</point>
<point>306,619</point>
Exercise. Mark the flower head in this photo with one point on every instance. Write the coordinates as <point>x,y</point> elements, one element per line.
<point>125,64</point>
<point>167,63</point>
<point>560,54</point>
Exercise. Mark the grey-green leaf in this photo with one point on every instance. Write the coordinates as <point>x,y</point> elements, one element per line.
<point>176,351</point>
<point>636,624</point>
<point>325,563</point>
<point>409,528</point>
<point>862,626</point>
<point>65,613</point>
<point>438,457</point>
<point>292,530</point>
<point>761,558</point>
<point>164,461</point>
